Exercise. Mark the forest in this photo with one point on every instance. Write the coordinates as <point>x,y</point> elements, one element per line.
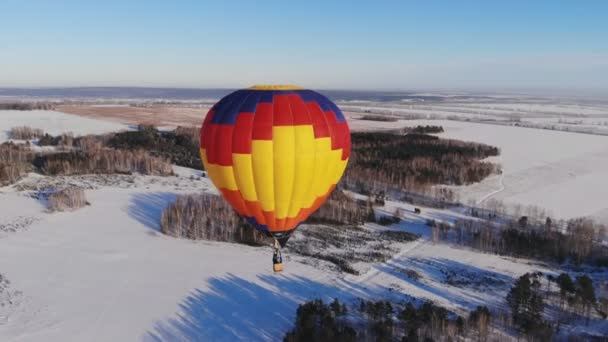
<point>26,106</point>
<point>525,304</point>
<point>415,162</point>
<point>181,145</point>
<point>574,240</point>
<point>207,217</point>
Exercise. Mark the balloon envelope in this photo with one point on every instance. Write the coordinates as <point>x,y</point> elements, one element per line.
<point>275,153</point>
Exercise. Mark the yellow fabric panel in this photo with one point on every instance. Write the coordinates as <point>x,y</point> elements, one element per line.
<point>284,175</point>
<point>222,176</point>
<point>283,141</point>
<point>208,168</point>
<point>320,183</point>
<point>225,176</point>
<point>340,170</point>
<point>243,173</point>
<point>304,169</point>
<point>262,158</point>
<point>333,167</point>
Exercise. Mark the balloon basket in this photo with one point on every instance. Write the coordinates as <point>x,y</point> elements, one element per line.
<point>277,267</point>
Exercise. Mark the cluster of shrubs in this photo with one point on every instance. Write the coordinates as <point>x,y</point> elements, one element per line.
<point>383,321</point>
<point>428,129</point>
<point>575,241</point>
<point>26,106</point>
<point>415,162</point>
<point>15,162</point>
<point>25,133</point>
<point>317,321</point>
<point>104,161</point>
<point>181,146</point>
<point>340,209</point>
<point>88,154</point>
<point>382,118</point>
<point>67,199</point>
<point>207,217</point>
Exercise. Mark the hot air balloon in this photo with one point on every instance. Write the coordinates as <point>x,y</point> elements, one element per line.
<point>275,153</point>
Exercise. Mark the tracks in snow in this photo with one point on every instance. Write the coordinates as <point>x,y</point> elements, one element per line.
<point>500,189</point>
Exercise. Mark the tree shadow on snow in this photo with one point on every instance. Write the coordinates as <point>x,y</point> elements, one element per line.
<point>460,283</point>
<point>147,208</point>
<point>235,309</point>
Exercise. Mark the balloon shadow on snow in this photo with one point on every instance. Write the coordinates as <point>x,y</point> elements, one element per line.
<point>147,208</point>
<point>234,309</point>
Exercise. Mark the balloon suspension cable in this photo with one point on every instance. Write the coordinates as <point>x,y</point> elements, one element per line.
<point>277,259</point>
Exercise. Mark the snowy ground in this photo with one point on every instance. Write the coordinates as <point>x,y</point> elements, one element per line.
<point>54,123</point>
<point>105,273</point>
<point>562,172</point>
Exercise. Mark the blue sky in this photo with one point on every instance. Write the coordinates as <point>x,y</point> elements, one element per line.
<point>319,44</point>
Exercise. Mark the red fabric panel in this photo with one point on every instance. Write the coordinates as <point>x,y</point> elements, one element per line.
<point>241,139</point>
<point>262,122</point>
<point>318,121</point>
<point>299,110</point>
<point>223,145</point>
<point>282,111</point>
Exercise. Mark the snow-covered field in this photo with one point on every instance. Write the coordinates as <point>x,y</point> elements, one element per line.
<point>562,172</point>
<point>559,171</point>
<point>106,273</point>
<point>54,123</point>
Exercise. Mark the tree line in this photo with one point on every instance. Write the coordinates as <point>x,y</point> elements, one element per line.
<point>207,217</point>
<point>26,106</point>
<point>385,321</point>
<point>415,162</point>
<point>181,145</point>
<point>532,293</point>
<point>577,243</point>
<point>104,161</point>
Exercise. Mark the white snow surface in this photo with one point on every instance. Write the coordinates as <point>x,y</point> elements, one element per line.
<point>562,172</point>
<point>54,123</point>
<point>559,171</point>
<point>106,273</point>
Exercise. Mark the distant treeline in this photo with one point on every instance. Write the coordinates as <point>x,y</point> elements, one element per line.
<point>386,321</point>
<point>104,161</point>
<point>341,208</point>
<point>207,217</point>
<point>520,238</point>
<point>76,156</point>
<point>427,129</point>
<point>26,106</point>
<point>415,161</point>
<point>182,145</point>
<point>382,118</point>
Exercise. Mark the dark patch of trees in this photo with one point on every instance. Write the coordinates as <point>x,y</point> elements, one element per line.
<point>428,129</point>
<point>578,294</point>
<point>105,161</point>
<point>317,321</point>
<point>521,238</point>
<point>414,162</point>
<point>207,217</point>
<point>340,208</point>
<point>382,118</point>
<point>26,106</point>
<point>385,321</point>
<point>526,303</point>
<point>182,145</point>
